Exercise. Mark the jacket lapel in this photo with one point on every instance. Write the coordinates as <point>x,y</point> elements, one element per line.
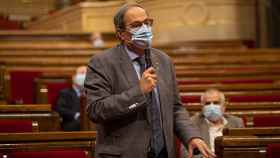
<point>127,67</point>
<point>204,129</point>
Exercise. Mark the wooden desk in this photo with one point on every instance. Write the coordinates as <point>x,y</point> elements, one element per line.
<point>44,141</point>
<point>47,119</point>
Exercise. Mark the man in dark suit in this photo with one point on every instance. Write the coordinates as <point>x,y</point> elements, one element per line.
<point>137,110</point>
<point>68,102</point>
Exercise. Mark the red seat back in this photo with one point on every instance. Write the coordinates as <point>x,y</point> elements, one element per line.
<point>229,81</point>
<point>273,151</point>
<point>53,91</point>
<point>49,154</point>
<point>266,121</point>
<point>254,98</point>
<point>23,87</point>
<point>190,99</point>
<point>237,98</point>
<point>7,126</point>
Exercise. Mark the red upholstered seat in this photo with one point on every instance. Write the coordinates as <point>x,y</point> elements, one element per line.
<point>247,81</point>
<point>7,126</point>
<point>23,86</point>
<point>190,99</point>
<point>186,82</point>
<point>254,98</point>
<point>9,25</point>
<point>237,98</point>
<point>54,89</point>
<point>49,154</point>
<point>266,121</point>
<point>231,81</point>
<point>273,151</point>
<point>178,147</point>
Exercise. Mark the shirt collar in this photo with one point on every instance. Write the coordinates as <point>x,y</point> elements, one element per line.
<point>131,54</point>
<point>225,122</point>
<point>77,90</point>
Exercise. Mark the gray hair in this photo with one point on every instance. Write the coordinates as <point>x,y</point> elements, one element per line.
<point>213,91</point>
<point>119,16</point>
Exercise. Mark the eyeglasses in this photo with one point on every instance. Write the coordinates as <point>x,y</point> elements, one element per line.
<point>212,102</point>
<point>137,24</point>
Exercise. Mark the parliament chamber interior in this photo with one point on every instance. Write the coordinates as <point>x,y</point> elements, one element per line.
<point>229,45</point>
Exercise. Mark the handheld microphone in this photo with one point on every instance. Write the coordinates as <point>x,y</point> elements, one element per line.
<point>148,58</point>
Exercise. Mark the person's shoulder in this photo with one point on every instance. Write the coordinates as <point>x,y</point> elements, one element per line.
<point>197,117</point>
<point>66,91</point>
<point>160,53</point>
<point>234,119</point>
<point>105,57</point>
<point>106,53</point>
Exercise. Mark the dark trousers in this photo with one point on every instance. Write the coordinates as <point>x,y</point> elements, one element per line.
<point>163,154</point>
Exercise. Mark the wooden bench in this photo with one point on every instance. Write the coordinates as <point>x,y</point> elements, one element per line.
<point>260,131</point>
<point>48,141</point>
<point>2,83</point>
<point>47,119</point>
<point>18,126</point>
<point>42,39</point>
<point>230,87</point>
<point>243,146</point>
<point>44,94</point>
<point>197,45</point>
<point>52,56</point>
<point>237,96</point>
<point>231,57</point>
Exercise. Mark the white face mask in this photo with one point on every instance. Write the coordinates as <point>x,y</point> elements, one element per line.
<point>79,79</point>
<point>142,36</point>
<point>212,112</point>
<point>98,42</point>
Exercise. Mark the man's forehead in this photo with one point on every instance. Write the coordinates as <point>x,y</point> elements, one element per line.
<point>81,69</point>
<point>135,13</point>
<point>212,96</point>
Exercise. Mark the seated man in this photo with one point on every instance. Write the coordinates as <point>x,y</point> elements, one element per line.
<point>212,119</point>
<point>68,103</point>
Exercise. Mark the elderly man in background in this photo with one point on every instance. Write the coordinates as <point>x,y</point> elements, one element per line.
<point>212,119</point>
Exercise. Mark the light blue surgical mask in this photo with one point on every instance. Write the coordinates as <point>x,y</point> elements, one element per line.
<point>212,112</point>
<point>142,36</point>
<point>79,79</point>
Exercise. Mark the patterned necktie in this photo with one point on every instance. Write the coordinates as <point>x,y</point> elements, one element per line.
<point>157,141</point>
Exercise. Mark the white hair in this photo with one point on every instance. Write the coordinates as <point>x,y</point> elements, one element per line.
<point>213,91</point>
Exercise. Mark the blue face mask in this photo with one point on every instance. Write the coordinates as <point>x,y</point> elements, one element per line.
<point>79,79</point>
<point>212,112</point>
<point>142,36</point>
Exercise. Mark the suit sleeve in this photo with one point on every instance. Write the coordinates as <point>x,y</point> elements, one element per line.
<point>184,127</point>
<point>102,104</point>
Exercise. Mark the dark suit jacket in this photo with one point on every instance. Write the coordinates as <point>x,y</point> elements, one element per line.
<point>115,102</point>
<point>68,104</point>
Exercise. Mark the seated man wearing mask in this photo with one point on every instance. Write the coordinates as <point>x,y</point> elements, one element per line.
<point>68,103</point>
<point>213,119</point>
